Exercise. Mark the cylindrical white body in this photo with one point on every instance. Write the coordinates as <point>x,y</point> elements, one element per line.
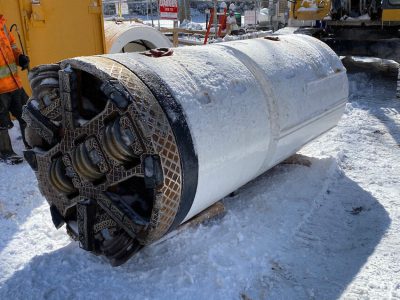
<point>148,142</point>
<point>250,104</point>
<point>132,37</point>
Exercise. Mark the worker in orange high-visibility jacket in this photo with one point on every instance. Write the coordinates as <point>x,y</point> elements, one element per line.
<point>12,95</point>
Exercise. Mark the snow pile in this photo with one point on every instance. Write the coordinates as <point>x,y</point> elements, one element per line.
<point>186,24</point>
<point>246,36</point>
<point>325,231</point>
<point>194,39</point>
<point>286,30</point>
<point>364,17</point>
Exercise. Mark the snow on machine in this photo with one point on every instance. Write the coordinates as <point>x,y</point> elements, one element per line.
<point>126,147</point>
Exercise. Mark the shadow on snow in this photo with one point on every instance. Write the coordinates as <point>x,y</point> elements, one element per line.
<point>295,232</point>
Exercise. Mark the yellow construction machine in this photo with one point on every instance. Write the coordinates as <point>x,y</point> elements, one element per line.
<point>352,27</point>
<point>50,31</point>
<point>384,13</point>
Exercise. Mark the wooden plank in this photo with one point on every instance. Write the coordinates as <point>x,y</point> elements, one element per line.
<point>213,211</point>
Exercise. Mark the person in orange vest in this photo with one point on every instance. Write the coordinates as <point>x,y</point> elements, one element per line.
<point>12,95</point>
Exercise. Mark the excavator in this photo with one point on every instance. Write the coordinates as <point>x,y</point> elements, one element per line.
<point>351,27</point>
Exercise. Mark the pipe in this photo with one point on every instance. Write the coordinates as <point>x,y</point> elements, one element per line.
<point>127,147</point>
<point>132,37</point>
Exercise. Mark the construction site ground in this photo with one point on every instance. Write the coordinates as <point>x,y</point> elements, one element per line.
<point>325,230</point>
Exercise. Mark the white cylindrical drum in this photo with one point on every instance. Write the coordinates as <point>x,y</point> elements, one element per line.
<point>132,145</point>
<point>132,37</point>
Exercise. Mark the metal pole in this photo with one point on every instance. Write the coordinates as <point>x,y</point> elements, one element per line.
<point>147,9</point>
<point>215,2</point>
<point>158,10</point>
<point>151,12</point>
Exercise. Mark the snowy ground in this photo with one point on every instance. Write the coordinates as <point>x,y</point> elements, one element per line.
<point>331,230</point>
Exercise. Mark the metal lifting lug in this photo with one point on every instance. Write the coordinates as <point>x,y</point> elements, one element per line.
<point>159,52</point>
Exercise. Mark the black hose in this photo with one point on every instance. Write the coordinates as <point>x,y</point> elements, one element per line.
<point>20,41</point>
<point>19,37</point>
